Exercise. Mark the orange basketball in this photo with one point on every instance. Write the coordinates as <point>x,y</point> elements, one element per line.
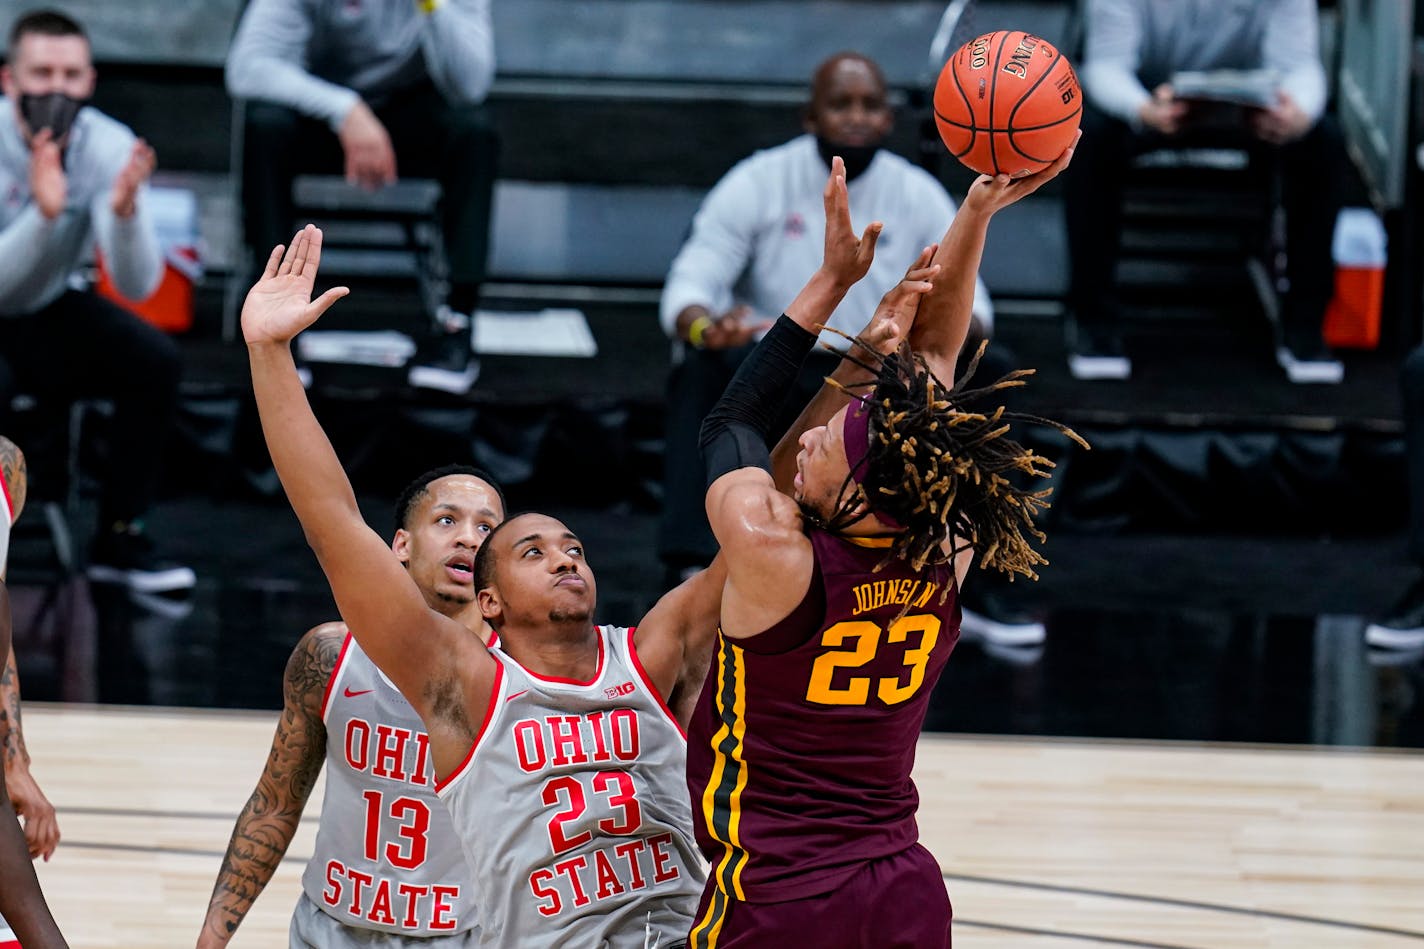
<point>1007,102</point>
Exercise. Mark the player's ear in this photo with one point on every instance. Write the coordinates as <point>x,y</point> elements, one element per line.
<point>490,606</point>
<point>401,545</point>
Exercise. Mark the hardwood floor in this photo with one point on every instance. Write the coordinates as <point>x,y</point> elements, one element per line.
<point>1043,842</point>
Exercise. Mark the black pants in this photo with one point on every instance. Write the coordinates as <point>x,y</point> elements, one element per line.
<point>1413,385</point>
<point>84,346</point>
<point>1311,175</point>
<point>456,145</point>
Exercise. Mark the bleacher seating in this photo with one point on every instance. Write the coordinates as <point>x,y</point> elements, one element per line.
<point>580,85</point>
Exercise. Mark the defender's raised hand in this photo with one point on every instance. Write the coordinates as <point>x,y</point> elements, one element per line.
<point>847,257</point>
<point>893,318</point>
<point>279,305</point>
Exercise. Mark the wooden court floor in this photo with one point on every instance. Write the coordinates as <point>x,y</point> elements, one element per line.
<point>1044,843</point>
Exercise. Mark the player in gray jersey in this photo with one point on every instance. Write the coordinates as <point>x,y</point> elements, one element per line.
<point>611,853</point>
<point>539,595</point>
<point>388,869</point>
<point>601,855</point>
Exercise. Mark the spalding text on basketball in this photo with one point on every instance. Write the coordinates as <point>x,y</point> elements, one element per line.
<point>1018,60</point>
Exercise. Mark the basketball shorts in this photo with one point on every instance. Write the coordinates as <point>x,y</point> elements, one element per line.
<point>896,902</point>
<point>313,929</point>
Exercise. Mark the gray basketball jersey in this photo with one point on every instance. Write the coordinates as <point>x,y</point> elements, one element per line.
<point>386,854</point>
<point>572,807</point>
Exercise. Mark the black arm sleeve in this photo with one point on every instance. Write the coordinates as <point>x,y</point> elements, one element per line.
<point>735,432</point>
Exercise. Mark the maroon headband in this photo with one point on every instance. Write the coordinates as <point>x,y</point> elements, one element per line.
<point>856,435</point>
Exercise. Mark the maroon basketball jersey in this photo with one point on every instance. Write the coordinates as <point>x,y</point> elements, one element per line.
<point>801,746</point>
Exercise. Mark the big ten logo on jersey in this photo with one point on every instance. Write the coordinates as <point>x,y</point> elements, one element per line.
<point>590,795</point>
<point>395,836</point>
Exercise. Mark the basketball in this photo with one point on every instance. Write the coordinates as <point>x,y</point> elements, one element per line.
<point>1007,103</point>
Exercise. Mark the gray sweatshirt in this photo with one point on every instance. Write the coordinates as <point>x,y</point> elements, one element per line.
<point>1132,46</point>
<point>40,255</point>
<point>319,56</point>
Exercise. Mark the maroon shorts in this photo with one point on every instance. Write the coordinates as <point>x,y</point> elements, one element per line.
<point>896,902</point>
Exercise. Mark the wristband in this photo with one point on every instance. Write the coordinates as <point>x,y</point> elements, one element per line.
<point>697,330</point>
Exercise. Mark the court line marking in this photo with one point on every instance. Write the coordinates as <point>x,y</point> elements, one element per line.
<point>1021,884</point>
<point>1188,904</point>
<point>148,812</point>
<point>1064,934</point>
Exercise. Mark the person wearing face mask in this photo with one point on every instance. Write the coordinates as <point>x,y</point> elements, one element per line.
<point>72,177</point>
<point>752,244</point>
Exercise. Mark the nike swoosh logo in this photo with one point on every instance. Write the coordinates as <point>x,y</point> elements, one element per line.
<point>515,696</point>
<point>351,695</point>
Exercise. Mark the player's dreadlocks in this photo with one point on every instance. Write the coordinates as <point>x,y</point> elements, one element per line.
<point>936,466</point>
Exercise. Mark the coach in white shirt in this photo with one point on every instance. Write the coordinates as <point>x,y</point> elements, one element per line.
<point>755,241</point>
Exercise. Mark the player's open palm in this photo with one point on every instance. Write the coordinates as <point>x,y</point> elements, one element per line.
<point>893,318</point>
<point>989,193</point>
<point>847,257</point>
<point>280,304</point>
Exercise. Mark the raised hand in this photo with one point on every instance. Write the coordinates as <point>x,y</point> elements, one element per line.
<point>134,173</point>
<point>847,257</point>
<point>990,193</point>
<point>48,185</point>
<point>890,324</point>
<point>279,305</point>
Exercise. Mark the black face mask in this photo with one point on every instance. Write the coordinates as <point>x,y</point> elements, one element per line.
<point>856,157</point>
<point>53,110</point>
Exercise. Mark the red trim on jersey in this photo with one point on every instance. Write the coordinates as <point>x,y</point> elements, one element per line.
<point>648,681</point>
<point>597,673</point>
<point>335,674</point>
<point>493,640</point>
<point>9,502</point>
<point>490,711</point>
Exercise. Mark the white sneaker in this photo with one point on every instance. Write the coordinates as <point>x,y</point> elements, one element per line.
<point>1310,371</point>
<point>445,361</point>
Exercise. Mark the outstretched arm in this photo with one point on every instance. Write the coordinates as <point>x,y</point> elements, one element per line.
<point>888,326</point>
<point>434,661</point>
<point>948,309</point>
<point>675,638</point>
<point>269,820</point>
<point>24,794</point>
<point>21,902</point>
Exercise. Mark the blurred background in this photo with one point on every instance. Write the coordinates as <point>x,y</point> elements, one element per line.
<point>1215,562</point>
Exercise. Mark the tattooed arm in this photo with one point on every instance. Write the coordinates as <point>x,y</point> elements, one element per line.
<point>21,902</point>
<point>269,821</point>
<point>41,827</point>
<point>17,482</point>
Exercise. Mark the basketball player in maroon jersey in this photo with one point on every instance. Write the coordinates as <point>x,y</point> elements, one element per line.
<point>331,696</point>
<point>838,614</point>
<point>22,905</point>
